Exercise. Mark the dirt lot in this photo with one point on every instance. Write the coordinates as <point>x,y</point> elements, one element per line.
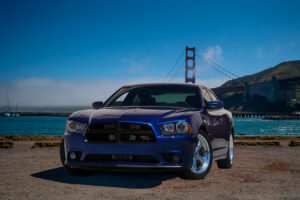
<point>258,173</point>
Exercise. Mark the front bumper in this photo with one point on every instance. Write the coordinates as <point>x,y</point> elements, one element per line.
<point>181,145</point>
<point>125,167</point>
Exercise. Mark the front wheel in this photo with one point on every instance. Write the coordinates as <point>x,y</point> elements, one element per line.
<point>202,158</point>
<point>228,162</point>
<point>74,172</point>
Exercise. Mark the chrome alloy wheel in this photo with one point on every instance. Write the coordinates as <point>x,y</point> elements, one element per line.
<point>231,151</point>
<point>202,157</point>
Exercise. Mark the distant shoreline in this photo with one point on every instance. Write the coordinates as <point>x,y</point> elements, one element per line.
<point>54,114</point>
<point>268,116</point>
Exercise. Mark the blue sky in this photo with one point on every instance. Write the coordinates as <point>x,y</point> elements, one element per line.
<point>141,40</point>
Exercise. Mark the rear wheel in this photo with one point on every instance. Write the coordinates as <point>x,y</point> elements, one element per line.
<point>202,158</point>
<point>228,162</point>
<point>74,172</point>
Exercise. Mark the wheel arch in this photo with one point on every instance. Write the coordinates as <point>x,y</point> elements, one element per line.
<point>203,128</point>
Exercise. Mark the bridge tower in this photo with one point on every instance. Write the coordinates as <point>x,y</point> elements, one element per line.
<point>190,64</point>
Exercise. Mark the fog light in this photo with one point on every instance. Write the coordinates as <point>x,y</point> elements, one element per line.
<point>111,137</point>
<point>73,155</point>
<point>175,158</point>
<point>132,137</point>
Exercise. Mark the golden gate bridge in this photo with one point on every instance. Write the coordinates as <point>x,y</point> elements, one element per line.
<point>190,68</point>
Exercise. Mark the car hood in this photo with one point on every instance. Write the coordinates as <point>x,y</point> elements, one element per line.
<point>138,114</point>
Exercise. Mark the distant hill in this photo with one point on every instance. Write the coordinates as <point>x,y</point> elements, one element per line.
<point>283,70</point>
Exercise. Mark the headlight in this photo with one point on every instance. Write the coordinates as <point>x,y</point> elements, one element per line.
<point>75,127</point>
<point>173,128</point>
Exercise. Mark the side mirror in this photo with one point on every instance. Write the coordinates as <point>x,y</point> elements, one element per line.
<point>97,104</point>
<point>215,105</point>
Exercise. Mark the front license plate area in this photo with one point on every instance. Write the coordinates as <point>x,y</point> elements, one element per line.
<point>121,157</point>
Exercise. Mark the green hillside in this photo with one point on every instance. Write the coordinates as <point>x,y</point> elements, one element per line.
<point>281,71</point>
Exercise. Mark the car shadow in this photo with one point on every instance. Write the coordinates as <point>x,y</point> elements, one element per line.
<point>136,180</point>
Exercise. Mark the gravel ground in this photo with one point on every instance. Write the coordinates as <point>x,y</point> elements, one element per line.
<point>258,173</point>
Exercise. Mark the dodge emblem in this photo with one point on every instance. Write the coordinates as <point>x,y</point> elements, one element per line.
<point>145,138</point>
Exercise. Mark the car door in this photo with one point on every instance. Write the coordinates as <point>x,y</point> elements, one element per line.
<point>215,121</point>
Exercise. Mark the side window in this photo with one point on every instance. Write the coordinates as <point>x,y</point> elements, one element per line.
<point>205,96</point>
<point>213,96</point>
<point>119,101</point>
<point>136,101</point>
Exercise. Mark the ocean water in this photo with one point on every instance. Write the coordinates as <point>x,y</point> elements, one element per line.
<point>258,126</point>
<point>47,125</point>
<point>32,125</point>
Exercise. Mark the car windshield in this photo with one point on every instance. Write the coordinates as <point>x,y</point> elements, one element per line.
<point>162,95</point>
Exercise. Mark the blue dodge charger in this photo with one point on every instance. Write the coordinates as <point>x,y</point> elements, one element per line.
<point>173,127</point>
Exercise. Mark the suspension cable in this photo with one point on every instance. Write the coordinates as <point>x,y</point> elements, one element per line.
<point>181,54</point>
<point>224,74</point>
<point>218,65</point>
<point>179,67</point>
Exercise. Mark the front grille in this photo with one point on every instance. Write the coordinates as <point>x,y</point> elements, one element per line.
<point>122,132</point>
<point>120,157</point>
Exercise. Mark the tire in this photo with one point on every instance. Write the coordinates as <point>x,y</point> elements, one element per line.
<point>202,159</point>
<point>74,172</point>
<point>228,162</point>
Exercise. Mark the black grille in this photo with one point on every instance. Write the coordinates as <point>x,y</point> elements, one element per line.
<point>120,157</point>
<point>120,133</point>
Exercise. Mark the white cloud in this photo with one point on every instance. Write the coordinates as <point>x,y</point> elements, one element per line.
<point>51,92</point>
<point>213,53</point>
<point>136,66</point>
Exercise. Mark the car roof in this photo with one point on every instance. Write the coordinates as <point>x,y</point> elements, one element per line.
<point>165,84</point>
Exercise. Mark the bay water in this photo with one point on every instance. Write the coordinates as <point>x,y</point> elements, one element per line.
<point>49,125</point>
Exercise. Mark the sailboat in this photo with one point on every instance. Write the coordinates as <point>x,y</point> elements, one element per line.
<point>16,114</point>
<point>7,113</point>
